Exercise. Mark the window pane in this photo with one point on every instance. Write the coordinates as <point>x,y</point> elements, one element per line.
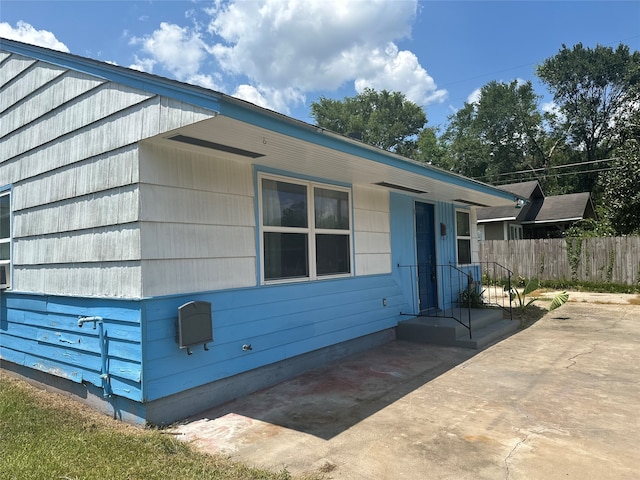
<point>285,255</point>
<point>331,209</point>
<point>462,224</point>
<point>332,254</point>
<point>5,216</point>
<point>283,204</point>
<point>5,251</point>
<point>464,251</point>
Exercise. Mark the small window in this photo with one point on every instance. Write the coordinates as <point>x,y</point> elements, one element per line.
<point>515,232</point>
<point>463,237</point>
<point>5,240</point>
<point>306,230</point>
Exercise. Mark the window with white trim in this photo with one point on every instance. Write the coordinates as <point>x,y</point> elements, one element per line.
<point>305,229</point>
<point>463,237</point>
<point>515,232</point>
<point>5,240</point>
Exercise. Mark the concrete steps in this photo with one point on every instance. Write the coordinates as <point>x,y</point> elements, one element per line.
<point>487,326</point>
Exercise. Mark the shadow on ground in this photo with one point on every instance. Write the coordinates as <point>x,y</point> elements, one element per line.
<point>529,316</point>
<point>325,402</point>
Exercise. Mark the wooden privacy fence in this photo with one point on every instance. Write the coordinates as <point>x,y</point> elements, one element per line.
<point>605,259</point>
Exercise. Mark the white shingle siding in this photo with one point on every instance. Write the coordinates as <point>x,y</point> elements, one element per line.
<point>371,230</point>
<point>197,220</point>
<point>69,148</point>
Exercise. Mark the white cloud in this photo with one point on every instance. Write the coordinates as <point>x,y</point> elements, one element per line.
<point>401,71</point>
<point>274,99</point>
<point>179,50</point>
<point>474,97</point>
<point>202,80</point>
<point>321,45</point>
<point>143,64</point>
<point>176,48</point>
<point>272,52</point>
<point>24,32</point>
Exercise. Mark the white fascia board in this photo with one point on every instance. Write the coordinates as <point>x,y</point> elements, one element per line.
<point>558,220</point>
<point>491,220</point>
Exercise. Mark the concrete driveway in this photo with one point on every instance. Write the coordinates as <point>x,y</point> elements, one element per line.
<point>560,399</point>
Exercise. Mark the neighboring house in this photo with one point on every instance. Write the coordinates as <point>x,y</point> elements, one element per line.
<point>125,197</point>
<point>539,217</point>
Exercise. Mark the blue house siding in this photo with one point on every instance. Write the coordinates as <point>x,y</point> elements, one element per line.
<point>403,243</point>
<point>279,321</point>
<point>41,332</point>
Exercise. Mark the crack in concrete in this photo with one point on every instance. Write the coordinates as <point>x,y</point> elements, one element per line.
<point>507,473</point>
<point>572,359</point>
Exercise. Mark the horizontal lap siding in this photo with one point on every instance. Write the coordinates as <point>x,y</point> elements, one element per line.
<point>198,222</point>
<point>42,332</point>
<point>404,249</point>
<point>372,231</point>
<point>279,321</point>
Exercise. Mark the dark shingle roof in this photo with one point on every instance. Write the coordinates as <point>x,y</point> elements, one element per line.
<point>524,189</point>
<point>539,209</point>
<point>573,206</point>
<point>530,190</point>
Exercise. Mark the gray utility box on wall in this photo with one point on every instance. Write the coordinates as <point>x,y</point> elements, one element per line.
<point>195,326</point>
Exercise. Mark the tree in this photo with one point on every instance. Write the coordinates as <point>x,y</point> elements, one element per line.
<point>383,119</point>
<point>621,184</point>
<point>432,149</point>
<point>503,132</point>
<point>595,90</point>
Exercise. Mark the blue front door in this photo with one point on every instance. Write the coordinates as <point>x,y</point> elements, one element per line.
<point>426,257</point>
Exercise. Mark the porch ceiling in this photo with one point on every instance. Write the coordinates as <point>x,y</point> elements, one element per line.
<point>290,154</point>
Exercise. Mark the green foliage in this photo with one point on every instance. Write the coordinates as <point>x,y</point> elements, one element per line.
<point>559,300</point>
<point>590,228</point>
<point>502,132</point>
<point>584,286</point>
<point>595,90</point>
<point>522,302</point>
<point>574,252</point>
<point>621,188</point>
<point>520,297</point>
<point>431,149</point>
<point>471,297</point>
<point>612,259</point>
<point>383,119</point>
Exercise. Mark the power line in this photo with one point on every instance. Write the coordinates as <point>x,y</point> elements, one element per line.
<point>562,175</point>
<point>565,165</point>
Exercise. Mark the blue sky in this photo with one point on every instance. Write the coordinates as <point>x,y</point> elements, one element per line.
<point>285,54</point>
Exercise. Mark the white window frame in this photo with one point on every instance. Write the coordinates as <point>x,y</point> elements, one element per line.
<point>515,231</point>
<point>311,231</point>
<point>463,237</point>
<point>6,263</point>
<point>480,232</point>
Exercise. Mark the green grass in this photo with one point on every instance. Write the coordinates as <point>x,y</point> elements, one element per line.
<point>47,436</point>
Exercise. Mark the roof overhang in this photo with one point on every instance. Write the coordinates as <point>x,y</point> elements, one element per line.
<point>326,156</point>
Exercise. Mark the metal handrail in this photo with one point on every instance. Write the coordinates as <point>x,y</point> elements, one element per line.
<point>468,290</point>
<point>496,281</point>
<point>451,307</point>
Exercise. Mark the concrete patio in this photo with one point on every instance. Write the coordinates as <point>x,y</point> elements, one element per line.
<point>560,399</point>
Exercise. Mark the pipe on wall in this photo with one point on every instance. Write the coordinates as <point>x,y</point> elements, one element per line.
<point>104,370</point>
